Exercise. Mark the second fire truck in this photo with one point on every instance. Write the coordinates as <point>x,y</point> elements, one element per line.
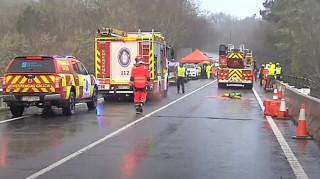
<point>236,66</point>
<point>115,52</point>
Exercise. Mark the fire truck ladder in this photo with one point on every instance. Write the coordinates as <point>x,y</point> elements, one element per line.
<point>109,32</point>
<point>146,45</point>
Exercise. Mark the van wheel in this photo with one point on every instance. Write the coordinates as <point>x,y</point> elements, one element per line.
<point>16,111</point>
<point>68,107</point>
<point>94,100</point>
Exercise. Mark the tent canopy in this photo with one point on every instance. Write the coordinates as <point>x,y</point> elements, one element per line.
<point>195,57</point>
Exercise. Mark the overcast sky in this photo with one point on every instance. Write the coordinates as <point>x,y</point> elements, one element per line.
<point>239,8</point>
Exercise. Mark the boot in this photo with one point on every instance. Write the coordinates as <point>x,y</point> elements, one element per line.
<point>137,106</point>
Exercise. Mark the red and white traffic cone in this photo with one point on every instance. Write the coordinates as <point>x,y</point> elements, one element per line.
<point>301,132</point>
<point>280,94</point>
<point>283,114</point>
<point>275,93</point>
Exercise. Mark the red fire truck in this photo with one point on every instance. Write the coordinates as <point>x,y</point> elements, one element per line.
<point>115,51</point>
<point>235,67</point>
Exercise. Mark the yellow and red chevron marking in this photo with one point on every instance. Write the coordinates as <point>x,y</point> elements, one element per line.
<point>38,84</point>
<point>151,62</point>
<point>235,55</point>
<point>235,75</point>
<point>98,61</point>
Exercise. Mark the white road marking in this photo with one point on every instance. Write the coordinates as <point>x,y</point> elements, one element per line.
<point>293,161</point>
<point>13,119</point>
<point>67,158</point>
<point>22,117</point>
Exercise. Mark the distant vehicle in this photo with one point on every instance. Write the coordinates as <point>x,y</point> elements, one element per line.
<point>173,72</point>
<point>192,71</point>
<point>235,68</point>
<point>46,81</point>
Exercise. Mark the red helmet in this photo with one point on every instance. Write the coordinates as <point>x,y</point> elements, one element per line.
<point>139,59</point>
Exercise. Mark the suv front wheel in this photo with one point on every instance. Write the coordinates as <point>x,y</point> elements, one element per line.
<point>16,111</point>
<point>68,107</point>
<point>94,100</point>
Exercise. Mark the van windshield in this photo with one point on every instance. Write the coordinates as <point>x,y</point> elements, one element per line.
<point>189,66</point>
<point>31,66</point>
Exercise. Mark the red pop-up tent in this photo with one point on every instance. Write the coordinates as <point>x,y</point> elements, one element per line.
<point>195,57</point>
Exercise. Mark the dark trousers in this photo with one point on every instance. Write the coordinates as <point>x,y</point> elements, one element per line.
<point>279,77</point>
<point>270,81</point>
<point>180,81</point>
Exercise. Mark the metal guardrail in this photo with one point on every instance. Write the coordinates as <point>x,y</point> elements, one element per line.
<point>301,82</point>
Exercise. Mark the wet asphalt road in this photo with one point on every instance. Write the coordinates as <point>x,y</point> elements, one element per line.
<point>199,136</point>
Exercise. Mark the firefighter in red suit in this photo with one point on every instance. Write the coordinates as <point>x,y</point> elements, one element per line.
<point>139,79</point>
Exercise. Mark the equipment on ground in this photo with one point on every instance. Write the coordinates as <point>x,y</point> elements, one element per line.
<point>233,95</point>
<point>235,66</point>
<point>115,51</point>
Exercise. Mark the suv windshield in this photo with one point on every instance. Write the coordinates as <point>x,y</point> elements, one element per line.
<point>31,66</point>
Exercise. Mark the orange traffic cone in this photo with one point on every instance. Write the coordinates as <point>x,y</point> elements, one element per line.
<point>283,114</point>
<point>280,93</point>
<point>275,93</point>
<point>302,125</point>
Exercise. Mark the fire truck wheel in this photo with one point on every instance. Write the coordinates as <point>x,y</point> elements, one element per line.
<point>16,111</point>
<point>248,86</point>
<point>220,85</point>
<point>68,107</point>
<point>94,100</point>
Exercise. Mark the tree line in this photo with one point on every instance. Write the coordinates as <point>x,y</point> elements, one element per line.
<point>59,26</point>
<point>289,34</point>
<point>293,30</point>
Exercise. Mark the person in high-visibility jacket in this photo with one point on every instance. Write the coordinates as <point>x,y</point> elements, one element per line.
<point>278,71</point>
<point>199,71</point>
<point>264,75</point>
<point>139,79</point>
<point>271,76</point>
<point>208,71</point>
<point>261,73</point>
<point>181,71</point>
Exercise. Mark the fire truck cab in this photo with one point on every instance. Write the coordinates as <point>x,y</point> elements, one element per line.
<point>115,51</point>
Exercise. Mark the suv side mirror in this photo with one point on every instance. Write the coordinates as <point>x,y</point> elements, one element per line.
<point>91,72</point>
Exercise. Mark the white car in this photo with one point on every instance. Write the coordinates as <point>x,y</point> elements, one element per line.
<point>192,70</point>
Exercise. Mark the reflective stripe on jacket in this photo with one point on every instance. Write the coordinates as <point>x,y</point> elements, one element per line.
<point>140,74</point>
<point>181,71</point>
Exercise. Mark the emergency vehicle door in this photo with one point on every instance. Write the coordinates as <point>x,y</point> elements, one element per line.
<point>122,59</point>
<point>86,80</point>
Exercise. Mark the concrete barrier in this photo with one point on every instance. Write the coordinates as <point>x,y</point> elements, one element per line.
<point>294,99</point>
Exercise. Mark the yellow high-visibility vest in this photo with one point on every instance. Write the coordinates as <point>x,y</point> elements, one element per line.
<point>181,71</point>
<point>278,70</point>
<point>208,68</point>
<point>199,68</point>
<point>271,70</point>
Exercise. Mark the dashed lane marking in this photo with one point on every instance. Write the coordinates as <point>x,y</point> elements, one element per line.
<point>67,158</point>
<point>22,117</point>
<point>293,161</point>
